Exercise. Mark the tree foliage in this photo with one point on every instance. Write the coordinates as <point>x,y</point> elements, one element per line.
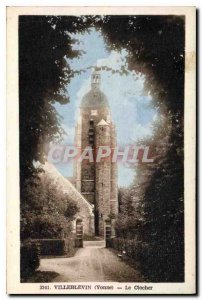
<point>46,212</point>
<point>155,206</point>
<point>44,73</point>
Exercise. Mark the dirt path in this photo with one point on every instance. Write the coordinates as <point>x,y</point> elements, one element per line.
<point>91,263</point>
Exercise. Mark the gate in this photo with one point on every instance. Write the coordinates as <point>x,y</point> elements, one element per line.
<point>108,232</point>
<point>79,233</point>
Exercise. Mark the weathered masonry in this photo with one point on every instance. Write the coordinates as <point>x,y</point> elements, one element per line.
<point>97,181</point>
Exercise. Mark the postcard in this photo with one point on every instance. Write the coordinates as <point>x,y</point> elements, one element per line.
<point>101,140</point>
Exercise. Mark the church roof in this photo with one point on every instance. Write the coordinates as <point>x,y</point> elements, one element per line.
<point>95,98</point>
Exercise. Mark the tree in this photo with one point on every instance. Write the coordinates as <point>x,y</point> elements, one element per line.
<point>43,76</point>
<point>46,212</point>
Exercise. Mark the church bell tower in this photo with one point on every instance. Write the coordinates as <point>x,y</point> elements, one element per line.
<point>97,181</point>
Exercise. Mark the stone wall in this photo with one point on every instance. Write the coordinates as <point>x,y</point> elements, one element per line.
<point>103,177</point>
<point>97,182</point>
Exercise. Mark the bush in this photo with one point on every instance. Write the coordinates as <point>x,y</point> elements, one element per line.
<point>133,248</point>
<point>46,211</point>
<point>29,258</point>
<point>56,246</point>
<point>45,226</point>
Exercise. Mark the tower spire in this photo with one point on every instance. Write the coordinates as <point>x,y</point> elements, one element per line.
<point>95,79</point>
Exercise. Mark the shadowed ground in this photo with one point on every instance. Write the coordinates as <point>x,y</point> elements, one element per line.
<point>92,263</point>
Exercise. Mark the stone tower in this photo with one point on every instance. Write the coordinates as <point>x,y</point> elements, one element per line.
<point>97,181</point>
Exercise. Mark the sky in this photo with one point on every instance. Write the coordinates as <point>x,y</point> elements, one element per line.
<point>131,108</point>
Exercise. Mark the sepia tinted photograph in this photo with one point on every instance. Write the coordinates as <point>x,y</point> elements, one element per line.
<point>101,104</point>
